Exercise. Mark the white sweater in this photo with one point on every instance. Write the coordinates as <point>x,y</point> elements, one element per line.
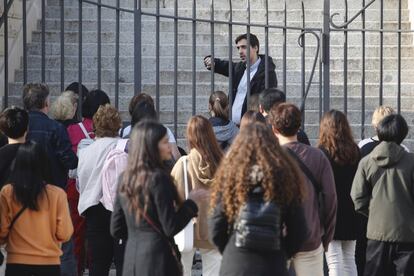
<point>91,161</point>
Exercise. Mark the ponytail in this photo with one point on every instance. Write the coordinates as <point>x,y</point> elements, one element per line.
<point>219,105</point>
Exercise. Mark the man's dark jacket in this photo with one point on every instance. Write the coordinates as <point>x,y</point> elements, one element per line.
<point>257,84</point>
<point>55,140</point>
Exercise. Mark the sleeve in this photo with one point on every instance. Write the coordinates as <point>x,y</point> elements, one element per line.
<point>5,217</point>
<point>329,200</point>
<point>164,195</point>
<point>297,230</point>
<point>360,191</point>
<point>63,149</point>
<point>64,226</point>
<point>218,228</point>
<point>272,79</point>
<point>221,67</point>
<point>119,228</point>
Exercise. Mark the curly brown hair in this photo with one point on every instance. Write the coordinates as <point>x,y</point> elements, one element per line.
<point>335,137</point>
<point>286,118</point>
<point>256,158</point>
<point>107,121</point>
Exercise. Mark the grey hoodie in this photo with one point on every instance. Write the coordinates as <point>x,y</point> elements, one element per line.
<point>383,190</point>
<point>225,133</point>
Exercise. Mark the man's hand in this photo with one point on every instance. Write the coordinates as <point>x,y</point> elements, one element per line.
<point>208,62</point>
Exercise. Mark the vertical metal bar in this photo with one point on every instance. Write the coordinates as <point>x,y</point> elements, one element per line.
<point>99,44</point>
<point>230,42</point>
<point>248,63</point>
<point>194,65</point>
<point>175,66</point>
<point>320,86</point>
<point>137,46</point>
<point>381,92</point>
<point>117,29</point>
<point>62,45</point>
<point>157,57</point>
<point>212,42</point>
<point>80,92</point>
<point>303,68</point>
<point>346,60</point>
<point>363,76</point>
<point>6,56</point>
<point>326,54</point>
<point>24,41</point>
<point>285,49</point>
<point>399,58</point>
<point>267,45</point>
<point>43,40</point>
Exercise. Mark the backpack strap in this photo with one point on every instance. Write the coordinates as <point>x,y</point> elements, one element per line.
<point>16,217</point>
<point>85,132</point>
<point>122,144</point>
<point>185,177</point>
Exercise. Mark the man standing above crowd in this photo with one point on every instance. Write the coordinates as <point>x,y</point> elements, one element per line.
<point>239,73</point>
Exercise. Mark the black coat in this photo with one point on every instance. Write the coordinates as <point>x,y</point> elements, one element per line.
<point>242,262</point>
<point>147,253</point>
<point>257,83</point>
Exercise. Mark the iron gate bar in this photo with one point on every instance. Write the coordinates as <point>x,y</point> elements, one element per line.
<point>24,42</point>
<point>194,59</point>
<point>285,49</point>
<point>157,57</point>
<point>375,30</point>
<point>302,43</point>
<point>345,24</point>
<point>346,60</point>
<point>320,86</point>
<point>111,7</point>
<point>43,41</point>
<point>80,92</point>
<point>137,46</point>
<point>266,45</point>
<point>230,46</point>
<point>326,55</point>
<point>381,92</point>
<point>363,74</point>
<point>212,45</point>
<point>117,27</point>
<point>399,60</point>
<point>6,55</point>
<point>248,53</point>
<point>6,10</point>
<point>99,44</point>
<point>62,45</point>
<point>175,66</point>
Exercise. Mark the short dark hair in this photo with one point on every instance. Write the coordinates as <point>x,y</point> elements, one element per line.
<point>74,87</point>
<point>143,110</point>
<point>35,96</point>
<point>286,118</point>
<point>270,97</point>
<point>141,97</point>
<point>254,41</point>
<point>393,128</point>
<point>14,122</point>
<point>93,101</point>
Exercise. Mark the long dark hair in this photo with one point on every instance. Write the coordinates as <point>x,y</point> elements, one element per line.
<point>143,161</point>
<point>335,137</point>
<point>200,136</point>
<point>30,175</point>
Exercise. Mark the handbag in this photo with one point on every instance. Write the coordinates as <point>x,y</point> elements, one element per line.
<point>10,227</point>
<point>185,238</point>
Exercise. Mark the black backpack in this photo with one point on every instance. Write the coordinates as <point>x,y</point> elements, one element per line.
<point>258,225</point>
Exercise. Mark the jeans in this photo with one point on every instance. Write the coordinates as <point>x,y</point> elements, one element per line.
<point>309,262</point>
<point>102,247</point>
<point>341,258</point>
<point>210,258</point>
<point>32,270</point>
<point>68,263</point>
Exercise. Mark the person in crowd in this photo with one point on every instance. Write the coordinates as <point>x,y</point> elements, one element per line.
<point>77,132</point>
<point>337,142</point>
<point>274,96</point>
<point>368,144</point>
<point>321,203</point>
<point>13,123</point>
<point>251,117</point>
<point>101,246</point>
<point>382,190</point>
<point>224,129</point>
<point>53,137</point>
<point>125,132</point>
<point>239,73</point>
<point>148,210</point>
<point>77,88</point>
<point>64,108</point>
<point>34,216</point>
<point>201,164</point>
<point>253,103</point>
<point>257,174</point>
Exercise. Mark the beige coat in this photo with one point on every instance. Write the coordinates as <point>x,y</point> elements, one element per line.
<point>199,177</point>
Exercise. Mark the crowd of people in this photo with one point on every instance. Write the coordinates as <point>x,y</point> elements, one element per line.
<point>79,190</point>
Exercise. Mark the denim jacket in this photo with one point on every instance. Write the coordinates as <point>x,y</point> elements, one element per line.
<point>54,138</point>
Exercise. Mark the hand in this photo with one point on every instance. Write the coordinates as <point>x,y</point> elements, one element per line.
<point>199,195</point>
<point>208,62</point>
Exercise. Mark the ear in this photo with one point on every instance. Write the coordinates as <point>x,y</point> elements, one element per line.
<point>275,132</point>
<point>261,109</point>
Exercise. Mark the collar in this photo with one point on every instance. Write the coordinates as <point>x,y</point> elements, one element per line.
<point>255,65</point>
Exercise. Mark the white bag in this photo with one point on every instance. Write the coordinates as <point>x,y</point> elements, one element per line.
<point>185,239</point>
